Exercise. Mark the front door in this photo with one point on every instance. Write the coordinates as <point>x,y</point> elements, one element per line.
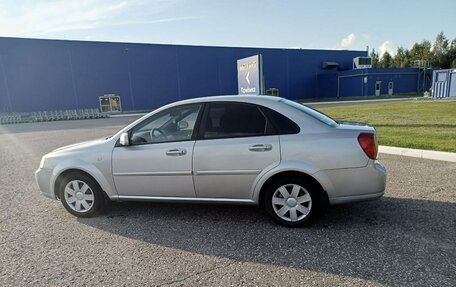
<point>234,146</point>
<point>158,161</point>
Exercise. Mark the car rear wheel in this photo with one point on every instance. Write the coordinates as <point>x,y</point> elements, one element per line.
<point>81,195</point>
<point>291,202</point>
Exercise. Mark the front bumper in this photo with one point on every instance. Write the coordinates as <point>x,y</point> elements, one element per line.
<point>43,178</point>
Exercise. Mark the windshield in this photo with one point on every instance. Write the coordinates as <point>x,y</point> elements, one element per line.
<point>311,112</point>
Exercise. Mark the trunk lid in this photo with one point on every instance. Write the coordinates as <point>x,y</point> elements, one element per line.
<point>355,126</point>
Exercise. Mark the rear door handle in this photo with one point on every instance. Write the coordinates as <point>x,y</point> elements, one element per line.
<point>176,152</point>
<point>260,147</point>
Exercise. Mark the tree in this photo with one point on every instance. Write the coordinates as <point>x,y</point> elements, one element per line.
<point>386,61</point>
<point>402,58</point>
<point>421,51</point>
<point>442,54</point>
<point>452,54</point>
<point>440,51</point>
<point>375,58</point>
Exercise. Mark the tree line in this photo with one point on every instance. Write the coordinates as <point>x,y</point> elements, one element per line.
<point>441,54</point>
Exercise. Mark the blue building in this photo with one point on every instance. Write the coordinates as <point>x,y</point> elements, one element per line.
<point>41,75</point>
<point>373,82</point>
<point>444,84</point>
<point>54,74</point>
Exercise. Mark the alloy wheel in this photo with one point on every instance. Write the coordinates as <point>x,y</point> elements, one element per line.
<point>79,196</point>
<point>291,202</point>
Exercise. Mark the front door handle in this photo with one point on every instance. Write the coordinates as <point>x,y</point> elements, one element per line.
<point>260,147</point>
<point>176,152</point>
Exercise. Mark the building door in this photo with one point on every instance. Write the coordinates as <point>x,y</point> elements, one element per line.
<point>390,88</point>
<point>378,86</point>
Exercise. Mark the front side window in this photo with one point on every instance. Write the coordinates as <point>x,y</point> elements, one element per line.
<point>175,124</point>
<point>228,120</point>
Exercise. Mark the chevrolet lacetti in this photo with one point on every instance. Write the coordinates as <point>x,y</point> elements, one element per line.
<point>283,156</point>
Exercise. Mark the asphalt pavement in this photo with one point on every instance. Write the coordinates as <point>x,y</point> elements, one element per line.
<point>406,238</point>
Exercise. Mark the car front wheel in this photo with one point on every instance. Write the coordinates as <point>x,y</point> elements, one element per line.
<point>81,195</point>
<point>291,202</point>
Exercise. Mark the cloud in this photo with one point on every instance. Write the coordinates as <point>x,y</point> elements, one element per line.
<point>389,47</point>
<point>30,18</point>
<point>353,42</point>
<point>348,42</point>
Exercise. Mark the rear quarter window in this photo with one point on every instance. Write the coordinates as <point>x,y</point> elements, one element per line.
<point>311,112</point>
<point>281,123</point>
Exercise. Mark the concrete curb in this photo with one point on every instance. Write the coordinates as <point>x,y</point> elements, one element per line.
<point>419,153</point>
<point>360,101</point>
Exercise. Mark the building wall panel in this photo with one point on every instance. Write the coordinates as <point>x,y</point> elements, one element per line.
<point>54,74</point>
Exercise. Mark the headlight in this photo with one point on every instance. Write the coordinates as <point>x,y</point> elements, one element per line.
<point>42,162</point>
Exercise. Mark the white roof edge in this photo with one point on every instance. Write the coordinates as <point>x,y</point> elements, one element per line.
<point>246,98</point>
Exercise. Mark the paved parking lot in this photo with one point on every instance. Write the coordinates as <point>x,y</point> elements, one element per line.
<point>407,238</point>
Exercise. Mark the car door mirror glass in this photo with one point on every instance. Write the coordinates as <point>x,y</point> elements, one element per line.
<point>182,125</point>
<point>124,140</point>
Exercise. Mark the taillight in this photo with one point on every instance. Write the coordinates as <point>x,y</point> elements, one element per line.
<point>368,143</point>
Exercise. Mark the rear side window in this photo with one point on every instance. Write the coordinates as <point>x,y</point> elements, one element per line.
<point>311,112</point>
<point>281,123</point>
<point>227,120</point>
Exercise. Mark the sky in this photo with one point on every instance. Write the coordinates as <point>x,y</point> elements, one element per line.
<point>329,24</point>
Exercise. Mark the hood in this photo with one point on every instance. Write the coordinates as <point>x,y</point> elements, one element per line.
<point>81,146</point>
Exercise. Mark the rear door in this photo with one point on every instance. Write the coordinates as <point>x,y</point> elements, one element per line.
<point>235,144</point>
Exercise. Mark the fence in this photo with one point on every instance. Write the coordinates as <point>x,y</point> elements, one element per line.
<point>46,116</point>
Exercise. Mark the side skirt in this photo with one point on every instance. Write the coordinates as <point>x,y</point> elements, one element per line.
<point>183,199</point>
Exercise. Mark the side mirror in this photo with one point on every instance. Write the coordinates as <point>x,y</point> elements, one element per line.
<point>182,125</point>
<point>123,140</point>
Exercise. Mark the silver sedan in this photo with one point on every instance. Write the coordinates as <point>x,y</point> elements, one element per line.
<point>283,156</point>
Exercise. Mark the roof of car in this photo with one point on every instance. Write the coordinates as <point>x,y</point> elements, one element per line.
<point>241,98</point>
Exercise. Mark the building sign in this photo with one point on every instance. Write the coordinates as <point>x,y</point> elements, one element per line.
<point>250,75</point>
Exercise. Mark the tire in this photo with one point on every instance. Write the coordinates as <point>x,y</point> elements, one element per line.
<point>292,202</point>
<point>81,195</point>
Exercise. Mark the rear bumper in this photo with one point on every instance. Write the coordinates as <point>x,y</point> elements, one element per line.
<point>355,198</point>
<point>43,178</point>
<point>355,184</point>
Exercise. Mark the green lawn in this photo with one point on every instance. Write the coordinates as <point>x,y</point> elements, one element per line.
<point>427,125</point>
<point>304,101</point>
